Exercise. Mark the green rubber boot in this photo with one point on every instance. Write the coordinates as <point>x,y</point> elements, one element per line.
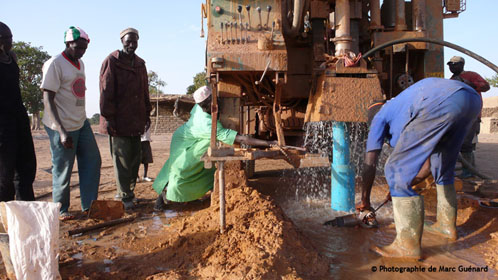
<point>409,220</point>
<point>446,213</point>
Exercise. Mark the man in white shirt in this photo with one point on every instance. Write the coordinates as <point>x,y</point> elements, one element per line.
<point>65,121</point>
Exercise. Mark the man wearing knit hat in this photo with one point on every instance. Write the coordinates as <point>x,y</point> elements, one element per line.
<point>65,121</point>
<point>183,177</point>
<point>125,105</point>
<point>474,80</point>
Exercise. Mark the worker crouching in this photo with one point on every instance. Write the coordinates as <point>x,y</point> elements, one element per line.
<point>183,177</point>
<point>426,124</point>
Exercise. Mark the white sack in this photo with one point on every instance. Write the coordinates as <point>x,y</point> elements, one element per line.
<point>33,228</point>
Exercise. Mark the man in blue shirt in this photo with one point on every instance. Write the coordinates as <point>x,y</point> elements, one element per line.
<point>426,124</point>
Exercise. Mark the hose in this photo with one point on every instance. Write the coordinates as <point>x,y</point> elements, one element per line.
<point>455,47</point>
<point>437,42</point>
<point>471,168</point>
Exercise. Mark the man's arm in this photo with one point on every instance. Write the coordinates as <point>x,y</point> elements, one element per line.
<point>368,177</point>
<point>51,109</point>
<point>476,81</point>
<point>148,106</point>
<point>107,106</point>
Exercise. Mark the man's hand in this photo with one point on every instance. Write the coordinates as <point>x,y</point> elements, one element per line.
<point>363,205</point>
<point>66,140</point>
<point>388,196</point>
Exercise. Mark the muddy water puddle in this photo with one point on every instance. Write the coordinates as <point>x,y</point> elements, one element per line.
<point>348,249</point>
<point>99,249</point>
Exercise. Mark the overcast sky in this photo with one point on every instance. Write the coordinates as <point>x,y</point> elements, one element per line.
<point>169,34</point>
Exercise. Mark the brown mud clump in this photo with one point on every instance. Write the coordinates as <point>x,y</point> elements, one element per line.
<point>259,242</point>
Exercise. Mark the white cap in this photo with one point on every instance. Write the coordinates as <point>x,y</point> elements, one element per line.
<point>202,94</point>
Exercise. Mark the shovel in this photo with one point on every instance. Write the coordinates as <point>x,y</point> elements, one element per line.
<point>106,210</point>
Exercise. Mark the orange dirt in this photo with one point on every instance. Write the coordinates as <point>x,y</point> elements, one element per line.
<point>260,242</point>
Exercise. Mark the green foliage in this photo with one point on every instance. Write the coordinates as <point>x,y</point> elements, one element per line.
<point>30,60</point>
<point>199,81</point>
<point>493,81</point>
<point>95,119</point>
<point>155,83</point>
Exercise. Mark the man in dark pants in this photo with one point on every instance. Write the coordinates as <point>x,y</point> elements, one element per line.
<point>426,124</point>
<point>456,65</point>
<point>125,105</point>
<point>17,153</point>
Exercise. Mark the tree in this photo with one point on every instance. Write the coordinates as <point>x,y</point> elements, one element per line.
<point>199,81</point>
<point>493,81</point>
<point>30,60</point>
<point>95,119</point>
<point>155,83</point>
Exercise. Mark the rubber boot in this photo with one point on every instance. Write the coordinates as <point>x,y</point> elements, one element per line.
<point>446,213</point>
<point>409,220</point>
<point>469,157</point>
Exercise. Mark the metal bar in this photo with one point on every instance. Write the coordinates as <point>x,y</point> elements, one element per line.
<point>214,112</point>
<point>222,195</point>
<point>400,22</point>
<point>342,38</point>
<point>391,73</point>
<point>375,14</point>
<point>418,15</point>
<point>277,110</point>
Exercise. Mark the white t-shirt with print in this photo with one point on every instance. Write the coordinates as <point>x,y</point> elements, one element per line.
<point>67,80</point>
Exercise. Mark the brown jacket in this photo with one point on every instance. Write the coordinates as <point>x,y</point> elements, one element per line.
<point>124,95</point>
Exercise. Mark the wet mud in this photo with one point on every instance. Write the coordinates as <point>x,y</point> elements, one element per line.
<point>274,230</point>
<point>304,196</point>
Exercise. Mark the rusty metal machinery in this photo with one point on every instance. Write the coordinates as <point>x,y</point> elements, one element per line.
<point>276,64</point>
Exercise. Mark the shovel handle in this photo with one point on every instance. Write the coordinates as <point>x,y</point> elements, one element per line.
<point>383,203</point>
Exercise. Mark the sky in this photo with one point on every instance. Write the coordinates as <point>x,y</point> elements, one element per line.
<point>170,40</point>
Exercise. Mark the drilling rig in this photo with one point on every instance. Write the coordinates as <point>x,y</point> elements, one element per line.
<point>276,64</point>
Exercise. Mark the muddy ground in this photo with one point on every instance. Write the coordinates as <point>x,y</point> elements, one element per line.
<point>274,228</point>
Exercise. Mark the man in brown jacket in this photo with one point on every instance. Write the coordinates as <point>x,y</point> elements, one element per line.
<point>125,105</point>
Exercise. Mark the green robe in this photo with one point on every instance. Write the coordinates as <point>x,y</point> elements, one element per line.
<point>184,171</point>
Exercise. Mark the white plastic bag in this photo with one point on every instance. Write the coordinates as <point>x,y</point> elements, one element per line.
<point>33,228</point>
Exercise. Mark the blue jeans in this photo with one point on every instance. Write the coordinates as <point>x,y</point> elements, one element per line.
<point>87,152</point>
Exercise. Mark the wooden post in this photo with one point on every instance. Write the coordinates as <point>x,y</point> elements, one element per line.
<point>222,195</point>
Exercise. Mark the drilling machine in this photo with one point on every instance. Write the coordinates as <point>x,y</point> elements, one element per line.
<point>276,64</point>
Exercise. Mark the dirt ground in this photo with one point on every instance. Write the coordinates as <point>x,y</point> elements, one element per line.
<point>266,237</point>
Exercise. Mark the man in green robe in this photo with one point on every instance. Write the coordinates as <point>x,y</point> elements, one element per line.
<point>183,177</point>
